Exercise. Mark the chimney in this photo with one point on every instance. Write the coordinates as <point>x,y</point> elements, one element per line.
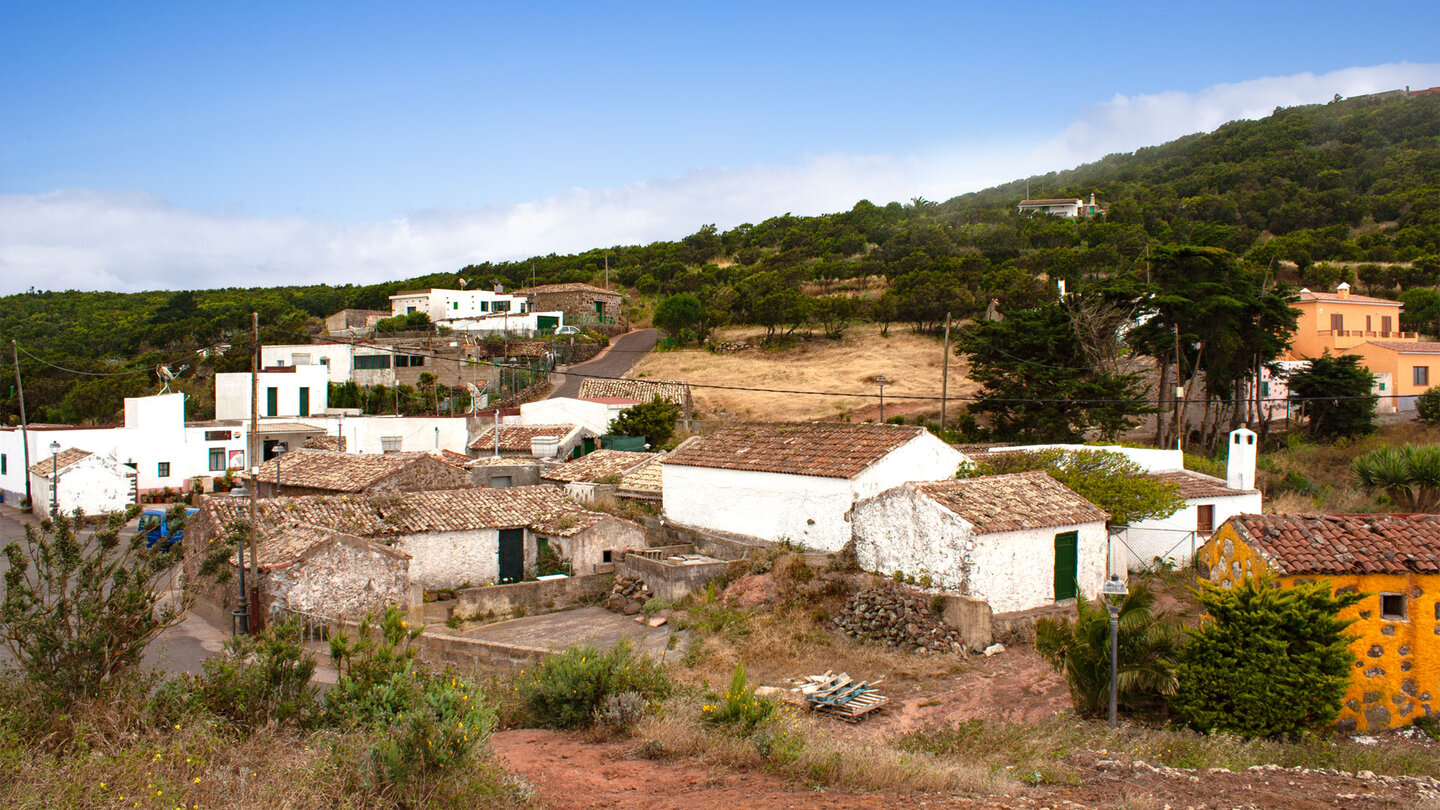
<point>1343,290</point>
<point>1240,464</point>
<point>1092,198</point>
<point>499,288</point>
<point>544,447</point>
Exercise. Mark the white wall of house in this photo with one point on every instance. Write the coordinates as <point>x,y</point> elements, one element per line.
<point>95,485</point>
<point>512,323</point>
<point>593,416</point>
<point>444,305</point>
<point>335,357</point>
<point>586,550</point>
<point>805,509</point>
<point>451,559</point>
<point>901,530</point>
<point>418,434</point>
<point>1174,539</point>
<point>232,392</point>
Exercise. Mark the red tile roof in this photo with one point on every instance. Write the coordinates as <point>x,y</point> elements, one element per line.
<point>1344,544</point>
<point>1408,346</point>
<point>59,461</point>
<point>824,449</point>
<point>344,472</point>
<point>595,466</point>
<point>1198,485</point>
<point>637,390</point>
<point>1334,298</point>
<point>516,438</point>
<point>564,288</point>
<point>1007,503</point>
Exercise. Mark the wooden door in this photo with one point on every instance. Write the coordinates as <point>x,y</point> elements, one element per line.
<point>512,555</point>
<point>1067,564</point>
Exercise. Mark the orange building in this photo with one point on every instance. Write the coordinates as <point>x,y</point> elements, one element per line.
<point>1393,560</point>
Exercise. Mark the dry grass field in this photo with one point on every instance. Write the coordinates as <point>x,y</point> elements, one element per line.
<point>912,364</point>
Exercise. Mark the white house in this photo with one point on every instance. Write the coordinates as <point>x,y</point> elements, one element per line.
<point>595,415</point>
<point>1064,207</point>
<point>80,479</point>
<point>1017,541</point>
<point>511,323</point>
<point>537,441</point>
<point>290,391</point>
<point>446,305</point>
<point>796,481</point>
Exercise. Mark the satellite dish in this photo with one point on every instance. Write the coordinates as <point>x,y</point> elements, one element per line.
<point>463,282</point>
<point>475,395</point>
<point>166,375</point>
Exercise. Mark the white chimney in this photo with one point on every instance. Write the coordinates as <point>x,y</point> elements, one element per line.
<point>543,447</point>
<point>1240,466</point>
<point>1343,290</point>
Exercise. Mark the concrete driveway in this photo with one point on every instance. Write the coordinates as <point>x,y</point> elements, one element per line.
<point>624,352</point>
<point>568,628</point>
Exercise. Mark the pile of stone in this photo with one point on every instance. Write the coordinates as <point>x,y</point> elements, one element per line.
<point>628,595</point>
<point>899,618</point>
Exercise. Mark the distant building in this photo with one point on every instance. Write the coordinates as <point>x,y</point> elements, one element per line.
<point>287,391</point>
<point>1062,207</point>
<point>640,391</point>
<point>445,305</point>
<point>581,303</point>
<point>328,472</point>
<point>80,479</point>
<point>354,322</point>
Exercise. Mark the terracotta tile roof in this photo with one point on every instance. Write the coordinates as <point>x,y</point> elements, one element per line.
<point>341,472</point>
<point>564,288</point>
<point>1334,298</point>
<point>1408,346</point>
<point>824,449</point>
<point>502,461</point>
<point>637,390</point>
<point>1059,201</point>
<point>644,479</point>
<point>516,438</point>
<point>394,514</point>
<point>1199,485</point>
<point>59,461</point>
<point>285,545</point>
<point>1007,503</point>
<point>568,524</point>
<point>453,458</point>
<point>332,443</point>
<point>595,466</point>
<point>1344,544</point>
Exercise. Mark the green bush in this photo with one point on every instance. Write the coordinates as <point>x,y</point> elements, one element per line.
<point>440,731</point>
<point>1427,406</point>
<point>738,708</point>
<point>1269,662</point>
<point>377,679</point>
<point>566,689</point>
<point>255,680</point>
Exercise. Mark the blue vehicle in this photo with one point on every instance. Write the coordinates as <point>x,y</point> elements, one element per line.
<point>154,527</point>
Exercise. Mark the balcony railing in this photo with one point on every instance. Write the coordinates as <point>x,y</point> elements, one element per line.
<point>1368,333</point>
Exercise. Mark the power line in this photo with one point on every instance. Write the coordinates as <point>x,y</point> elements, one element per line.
<point>43,361</point>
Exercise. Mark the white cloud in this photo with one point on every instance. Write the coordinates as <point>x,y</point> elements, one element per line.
<point>86,239</point>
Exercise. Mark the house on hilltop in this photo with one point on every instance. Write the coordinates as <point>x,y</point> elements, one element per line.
<point>581,303</point>
<point>1016,541</point>
<point>305,471</point>
<point>1393,559</point>
<point>1070,207</point>
<point>796,481</point>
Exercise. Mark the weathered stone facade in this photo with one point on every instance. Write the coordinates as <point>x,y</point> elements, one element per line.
<point>581,303</point>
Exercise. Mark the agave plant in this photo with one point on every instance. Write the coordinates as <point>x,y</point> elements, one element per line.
<point>1148,643</point>
<point>1409,476</point>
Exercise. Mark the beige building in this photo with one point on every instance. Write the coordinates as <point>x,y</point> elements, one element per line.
<point>1340,323</point>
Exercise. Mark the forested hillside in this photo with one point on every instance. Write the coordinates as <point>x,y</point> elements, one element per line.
<point>1307,195</point>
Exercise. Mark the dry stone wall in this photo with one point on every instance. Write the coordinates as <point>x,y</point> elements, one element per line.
<point>899,618</point>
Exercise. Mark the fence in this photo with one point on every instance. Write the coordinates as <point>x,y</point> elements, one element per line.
<point>1135,548</point>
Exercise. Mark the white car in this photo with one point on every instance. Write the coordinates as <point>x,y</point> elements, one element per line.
<point>567,330</point>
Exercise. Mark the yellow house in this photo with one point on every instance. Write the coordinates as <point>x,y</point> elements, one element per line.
<point>1393,560</point>
<point>1339,321</point>
<point>1413,367</point>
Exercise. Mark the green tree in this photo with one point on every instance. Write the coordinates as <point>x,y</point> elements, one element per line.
<point>1427,406</point>
<point>1147,645</point>
<point>1037,383</point>
<point>655,420</point>
<point>1334,393</point>
<point>680,316</point>
<point>1105,478</point>
<point>77,614</point>
<point>1409,476</point>
<point>1267,661</point>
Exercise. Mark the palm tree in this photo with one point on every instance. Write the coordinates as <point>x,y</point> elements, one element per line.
<point>1148,643</point>
<point>1409,476</point>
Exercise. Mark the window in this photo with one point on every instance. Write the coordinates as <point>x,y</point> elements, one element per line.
<point>390,444</point>
<point>304,401</point>
<point>484,306</point>
<point>217,436</point>
<point>607,556</point>
<point>455,305</point>
<point>1337,322</point>
<point>371,361</point>
<point>4,464</point>
<point>1368,326</point>
<point>1422,375</point>
<point>1392,606</point>
<point>500,481</point>
<point>1385,324</point>
<point>217,459</point>
<point>1205,518</point>
<point>325,361</point>
<point>163,469</point>
<point>272,401</point>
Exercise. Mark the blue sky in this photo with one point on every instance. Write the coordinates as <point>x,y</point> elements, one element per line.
<point>207,144</point>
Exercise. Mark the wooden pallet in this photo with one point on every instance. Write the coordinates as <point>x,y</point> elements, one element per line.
<point>839,696</point>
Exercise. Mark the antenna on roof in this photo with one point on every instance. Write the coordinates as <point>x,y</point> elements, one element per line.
<point>463,282</point>
<point>166,375</point>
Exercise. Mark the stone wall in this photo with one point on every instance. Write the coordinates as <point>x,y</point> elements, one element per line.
<point>720,545</point>
<point>339,579</point>
<point>900,618</point>
<point>672,581</point>
<point>578,305</point>
<point>534,597</point>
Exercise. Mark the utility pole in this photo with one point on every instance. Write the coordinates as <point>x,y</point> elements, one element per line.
<point>607,271</point>
<point>24,424</point>
<point>254,451</point>
<point>1179,389</point>
<point>945,374</point>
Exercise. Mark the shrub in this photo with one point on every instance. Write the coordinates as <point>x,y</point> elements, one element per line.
<point>377,679</point>
<point>440,731</point>
<point>738,708</point>
<point>1427,406</point>
<point>566,689</point>
<point>1270,661</point>
<point>1147,647</point>
<point>77,615</point>
<point>1409,476</point>
<point>255,680</point>
<point>620,712</point>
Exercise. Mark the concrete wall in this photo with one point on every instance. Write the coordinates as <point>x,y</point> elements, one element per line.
<point>586,550</point>
<point>672,581</point>
<point>502,600</point>
<point>441,560</point>
<point>95,485</point>
<point>521,473</point>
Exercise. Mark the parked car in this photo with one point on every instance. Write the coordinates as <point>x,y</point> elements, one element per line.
<point>567,330</point>
<point>154,526</point>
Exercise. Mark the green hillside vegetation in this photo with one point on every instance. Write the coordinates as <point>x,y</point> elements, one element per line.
<point>1308,195</point>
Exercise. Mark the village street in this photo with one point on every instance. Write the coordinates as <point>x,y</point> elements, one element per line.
<point>624,352</point>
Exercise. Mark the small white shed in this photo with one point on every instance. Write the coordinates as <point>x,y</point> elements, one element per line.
<point>83,480</point>
<point>1016,541</point>
<point>796,481</point>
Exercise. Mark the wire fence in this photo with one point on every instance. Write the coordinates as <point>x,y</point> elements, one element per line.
<point>1136,548</point>
<point>314,628</point>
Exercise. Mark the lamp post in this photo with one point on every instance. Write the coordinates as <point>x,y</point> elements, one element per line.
<point>279,451</point>
<point>54,479</point>
<point>881,379</point>
<point>1114,593</point>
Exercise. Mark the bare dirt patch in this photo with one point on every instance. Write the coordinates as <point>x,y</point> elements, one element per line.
<point>849,366</point>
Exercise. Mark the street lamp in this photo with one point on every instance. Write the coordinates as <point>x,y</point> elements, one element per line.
<point>1114,593</point>
<point>54,479</point>
<point>881,379</point>
<point>279,451</point>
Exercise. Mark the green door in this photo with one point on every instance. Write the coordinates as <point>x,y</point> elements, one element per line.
<point>304,401</point>
<point>1067,564</point>
<point>512,555</point>
<point>272,401</point>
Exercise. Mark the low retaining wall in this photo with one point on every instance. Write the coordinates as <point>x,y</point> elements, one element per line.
<point>669,580</point>
<point>532,596</point>
<point>1018,627</point>
<point>719,545</point>
<point>971,617</point>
